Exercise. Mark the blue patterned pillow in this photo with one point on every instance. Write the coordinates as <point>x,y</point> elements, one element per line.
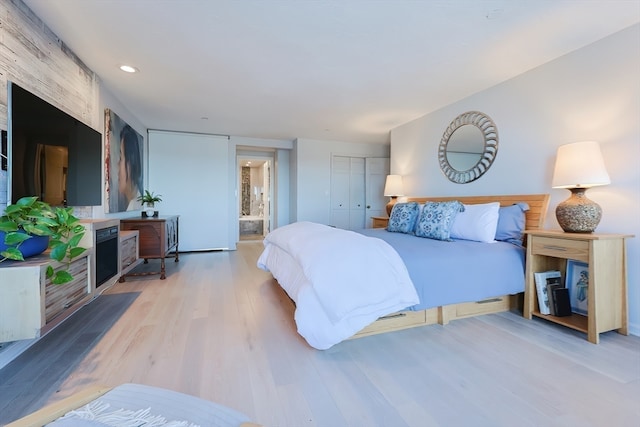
<point>436,219</point>
<point>403,217</point>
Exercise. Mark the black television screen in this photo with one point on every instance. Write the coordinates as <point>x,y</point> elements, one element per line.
<point>53,155</point>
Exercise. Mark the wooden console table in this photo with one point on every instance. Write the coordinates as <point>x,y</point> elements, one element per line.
<point>158,237</point>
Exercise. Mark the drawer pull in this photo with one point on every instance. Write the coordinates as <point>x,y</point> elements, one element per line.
<point>392,316</point>
<point>487,301</point>
<point>555,248</point>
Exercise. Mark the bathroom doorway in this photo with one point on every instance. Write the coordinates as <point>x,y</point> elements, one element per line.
<point>254,197</point>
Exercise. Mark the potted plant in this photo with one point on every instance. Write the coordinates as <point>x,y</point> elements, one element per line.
<point>29,218</point>
<point>149,198</point>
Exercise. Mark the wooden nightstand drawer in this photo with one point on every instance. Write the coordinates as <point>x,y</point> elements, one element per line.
<point>561,248</point>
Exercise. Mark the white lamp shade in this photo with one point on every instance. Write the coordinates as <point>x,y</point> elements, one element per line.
<point>579,165</point>
<point>393,186</point>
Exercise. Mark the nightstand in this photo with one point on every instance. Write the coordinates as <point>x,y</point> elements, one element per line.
<point>605,255</point>
<point>379,221</point>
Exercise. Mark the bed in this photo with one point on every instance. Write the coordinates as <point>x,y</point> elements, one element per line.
<point>348,284</point>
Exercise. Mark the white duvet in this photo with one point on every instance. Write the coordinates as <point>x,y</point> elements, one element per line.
<point>341,281</point>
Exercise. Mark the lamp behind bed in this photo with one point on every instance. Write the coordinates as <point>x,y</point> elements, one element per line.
<point>393,188</point>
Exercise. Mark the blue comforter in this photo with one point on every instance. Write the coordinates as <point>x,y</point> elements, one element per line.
<point>459,271</point>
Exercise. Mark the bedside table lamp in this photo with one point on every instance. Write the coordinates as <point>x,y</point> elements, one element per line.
<point>579,166</point>
<point>393,189</point>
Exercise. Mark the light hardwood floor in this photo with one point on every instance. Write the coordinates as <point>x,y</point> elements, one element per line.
<point>221,329</point>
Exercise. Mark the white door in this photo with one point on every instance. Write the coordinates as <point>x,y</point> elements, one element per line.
<point>340,190</point>
<point>349,190</point>
<point>377,169</point>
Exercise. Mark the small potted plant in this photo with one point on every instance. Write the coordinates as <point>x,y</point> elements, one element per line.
<point>149,198</point>
<point>29,220</point>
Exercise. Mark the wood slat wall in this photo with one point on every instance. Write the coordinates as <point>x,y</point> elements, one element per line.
<point>60,297</point>
<point>32,56</point>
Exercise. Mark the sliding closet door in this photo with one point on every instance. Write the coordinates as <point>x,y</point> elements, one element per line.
<point>191,171</point>
<point>348,192</point>
<point>357,194</point>
<point>340,191</point>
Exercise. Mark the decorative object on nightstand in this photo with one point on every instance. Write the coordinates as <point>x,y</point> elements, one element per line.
<point>393,188</point>
<point>577,281</point>
<point>579,166</point>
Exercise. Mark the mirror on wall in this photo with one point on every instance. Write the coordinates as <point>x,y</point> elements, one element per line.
<point>468,147</point>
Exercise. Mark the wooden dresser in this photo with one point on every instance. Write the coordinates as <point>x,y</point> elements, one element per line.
<point>158,239</point>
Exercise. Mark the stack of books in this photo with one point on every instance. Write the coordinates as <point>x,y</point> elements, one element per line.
<point>553,297</point>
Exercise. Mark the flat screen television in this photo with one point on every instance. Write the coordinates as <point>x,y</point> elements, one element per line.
<point>53,155</point>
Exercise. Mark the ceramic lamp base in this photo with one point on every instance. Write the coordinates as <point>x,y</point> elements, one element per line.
<point>578,214</point>
<point>392,202</point>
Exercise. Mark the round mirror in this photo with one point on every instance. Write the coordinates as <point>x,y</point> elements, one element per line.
<point>468,147</point>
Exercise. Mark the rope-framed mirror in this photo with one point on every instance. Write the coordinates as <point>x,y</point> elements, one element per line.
<point>468,147</point>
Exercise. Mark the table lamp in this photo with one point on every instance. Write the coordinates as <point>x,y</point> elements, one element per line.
<point>393,189</point>
<point>579,166</point>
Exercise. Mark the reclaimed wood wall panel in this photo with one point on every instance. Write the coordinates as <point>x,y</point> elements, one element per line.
<point>32,56</point>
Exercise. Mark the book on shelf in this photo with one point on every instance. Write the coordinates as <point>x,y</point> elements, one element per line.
<point>561,302</point>
<point>551,287</point>
<point>542,279</point>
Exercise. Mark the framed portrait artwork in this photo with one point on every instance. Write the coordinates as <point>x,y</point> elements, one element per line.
<point>123,164</point>
<point>578,285</point>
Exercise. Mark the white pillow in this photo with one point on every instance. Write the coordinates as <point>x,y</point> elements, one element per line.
<point>477,223</point>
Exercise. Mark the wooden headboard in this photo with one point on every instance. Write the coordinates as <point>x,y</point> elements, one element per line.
<point>535,216</point>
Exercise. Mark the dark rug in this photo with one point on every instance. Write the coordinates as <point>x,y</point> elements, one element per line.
<point>28,381</point>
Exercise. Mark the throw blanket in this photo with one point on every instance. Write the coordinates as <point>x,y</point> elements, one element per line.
<point>99,414</point>
<point>350,276</point>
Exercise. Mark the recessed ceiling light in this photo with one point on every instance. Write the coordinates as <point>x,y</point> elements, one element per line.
<point>129,69</point>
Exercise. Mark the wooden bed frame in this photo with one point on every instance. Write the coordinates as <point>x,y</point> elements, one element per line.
<point>535,217</point>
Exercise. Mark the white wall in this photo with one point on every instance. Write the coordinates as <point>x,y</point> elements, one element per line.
<point>282,187</point>
<point>590,94</point>
<point>313,174</point>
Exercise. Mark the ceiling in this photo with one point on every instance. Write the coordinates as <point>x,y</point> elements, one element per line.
<point>347,70</point>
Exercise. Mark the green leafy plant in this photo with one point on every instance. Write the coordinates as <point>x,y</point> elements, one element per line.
<point>150,198</point>
<point>32,217</point>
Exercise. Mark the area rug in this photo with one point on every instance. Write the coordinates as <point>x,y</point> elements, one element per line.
<point>28,381</point>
